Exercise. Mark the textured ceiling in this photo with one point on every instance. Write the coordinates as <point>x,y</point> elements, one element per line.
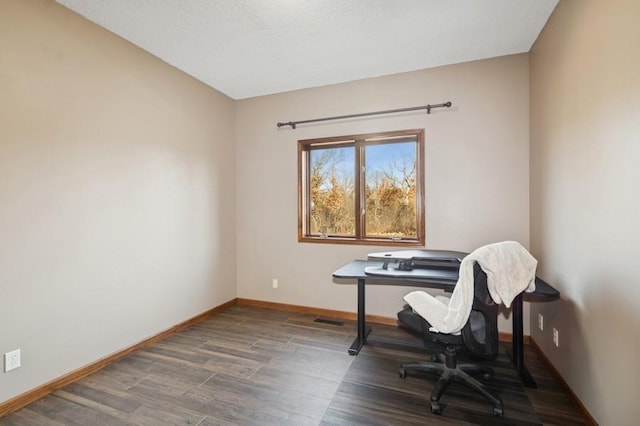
<point>247,48</point>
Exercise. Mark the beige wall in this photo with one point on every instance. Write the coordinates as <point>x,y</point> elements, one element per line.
<point>116,194</point>
<point>585,178</point>
<point>477,174</point>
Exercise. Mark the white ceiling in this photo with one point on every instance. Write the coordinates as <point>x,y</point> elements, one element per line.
<point>247,48</point>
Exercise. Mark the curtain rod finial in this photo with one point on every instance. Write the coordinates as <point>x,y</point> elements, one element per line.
<point>290,123</point>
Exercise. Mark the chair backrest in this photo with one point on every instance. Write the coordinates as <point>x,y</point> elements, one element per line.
<point>480,333</point>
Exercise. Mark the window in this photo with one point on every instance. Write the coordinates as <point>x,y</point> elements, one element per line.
<point>362,189</point>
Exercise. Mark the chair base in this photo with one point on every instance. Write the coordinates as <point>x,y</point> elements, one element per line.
<point>449,370</point>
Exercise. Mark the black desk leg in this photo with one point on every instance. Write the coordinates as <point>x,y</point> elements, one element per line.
<point>363,330</point>
<point>517,354</point>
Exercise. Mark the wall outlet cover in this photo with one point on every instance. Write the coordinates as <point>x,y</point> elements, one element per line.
<point>12,360</point>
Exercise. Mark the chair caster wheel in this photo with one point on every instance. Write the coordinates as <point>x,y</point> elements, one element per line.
<point>435,358</point>
<point>435,407</point>
<point>402,373</point>
<point>498,412</point>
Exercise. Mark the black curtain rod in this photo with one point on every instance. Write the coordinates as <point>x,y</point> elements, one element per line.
<point>293,124</point>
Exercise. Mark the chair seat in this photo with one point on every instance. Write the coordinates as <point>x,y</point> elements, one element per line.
<point>416,323</point>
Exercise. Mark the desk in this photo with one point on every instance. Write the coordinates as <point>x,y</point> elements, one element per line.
<point>445,280</point>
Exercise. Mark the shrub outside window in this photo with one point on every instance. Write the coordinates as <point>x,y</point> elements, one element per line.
<point>362,189</point>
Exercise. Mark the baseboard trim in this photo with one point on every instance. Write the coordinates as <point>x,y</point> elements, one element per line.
<point>585,413</point>
<point>35,394</point>
<point>374,319</point>
<point>508,338</point>
<point>351,316</point>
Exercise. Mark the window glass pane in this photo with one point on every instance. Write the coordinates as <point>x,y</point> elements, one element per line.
<point>390,190</point>
<point>332,191</point>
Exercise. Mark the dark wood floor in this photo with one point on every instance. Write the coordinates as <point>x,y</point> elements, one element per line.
<point>256,366</point>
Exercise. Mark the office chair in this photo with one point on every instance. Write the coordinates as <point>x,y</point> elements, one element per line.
<point>479,337</point>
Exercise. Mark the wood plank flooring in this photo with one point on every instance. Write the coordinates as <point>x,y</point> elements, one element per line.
<point>257,366</point>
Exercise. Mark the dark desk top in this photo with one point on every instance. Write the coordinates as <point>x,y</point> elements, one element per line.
<point>434,278</point>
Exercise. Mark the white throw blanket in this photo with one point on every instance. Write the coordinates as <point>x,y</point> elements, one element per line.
<point>510,269</point>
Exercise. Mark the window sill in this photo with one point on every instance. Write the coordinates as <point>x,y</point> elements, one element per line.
<point>364,242</point>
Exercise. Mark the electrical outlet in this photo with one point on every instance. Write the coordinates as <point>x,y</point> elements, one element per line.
<point>540,322</point>
<point>12,360</point>
<point>556,338</point>
<point>274,283</point>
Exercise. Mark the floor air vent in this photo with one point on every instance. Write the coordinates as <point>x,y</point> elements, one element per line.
<point>329,321</point>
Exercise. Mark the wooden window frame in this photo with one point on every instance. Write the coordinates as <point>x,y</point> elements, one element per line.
<point>360,141</point>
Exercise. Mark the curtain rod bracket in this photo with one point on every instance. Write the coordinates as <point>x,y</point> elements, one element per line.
<point>429,107</point>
